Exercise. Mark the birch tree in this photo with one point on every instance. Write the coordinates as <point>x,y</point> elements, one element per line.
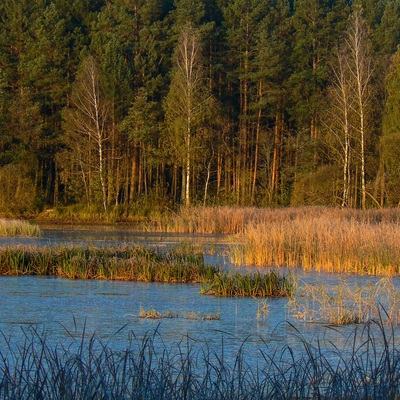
<point>360,67</point>
<point>350,108</point>
<point>86,125</point>
<point>187,104</point>
<point>338,120</point>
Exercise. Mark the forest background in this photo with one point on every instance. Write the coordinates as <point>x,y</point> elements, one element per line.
<point>147,104</point>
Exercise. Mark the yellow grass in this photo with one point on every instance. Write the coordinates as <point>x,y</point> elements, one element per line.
<point>14,227</point>
<point>347,304</point>
<point>213,220</point>
<point>332,240</point>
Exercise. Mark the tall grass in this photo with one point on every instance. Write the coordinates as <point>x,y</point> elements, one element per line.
<point>83,368</point>
<point>332,240</point>
<point>213,220</point>
<point>142,264</point>
<point>14,227</point>
<point>114,263</point>
<point>236,220</point>
<point>270,284</point>
<point>344,304</point>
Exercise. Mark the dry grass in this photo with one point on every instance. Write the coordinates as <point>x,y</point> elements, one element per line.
<point>215,220</point>
<point>344,304</point>
<point>315,238</point>
<point>331,240</point>
<point>14,227</point>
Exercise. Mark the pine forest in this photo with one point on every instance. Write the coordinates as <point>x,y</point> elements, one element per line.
<point>267,103</point>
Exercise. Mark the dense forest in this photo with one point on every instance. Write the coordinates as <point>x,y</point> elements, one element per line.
<point>112,103</point>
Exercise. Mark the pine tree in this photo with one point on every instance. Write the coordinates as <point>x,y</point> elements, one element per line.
<point>274,70</point>
<point>243,20</point>
<point>390,140</point>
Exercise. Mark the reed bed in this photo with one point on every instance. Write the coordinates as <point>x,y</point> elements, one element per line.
<point>140,264</point>
<point>344,304</point>
<point>14,227</point>
<point>341,241</point>
<point>112,263</point>
<point>236,220</point>
<point>83,368</point>
<point>270,284</point>
<point>209,220</point>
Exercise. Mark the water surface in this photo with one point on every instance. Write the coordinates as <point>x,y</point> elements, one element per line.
<point>66,308</point>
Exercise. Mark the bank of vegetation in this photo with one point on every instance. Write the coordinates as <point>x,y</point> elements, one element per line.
<point>325,239</point>
<point>139,264</point>
<point>330,240</point>
<point>283,103</point>
<point>340,240</point>
<point>367,367</point>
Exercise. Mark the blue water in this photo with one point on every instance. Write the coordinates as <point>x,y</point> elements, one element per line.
<point>67,309</point>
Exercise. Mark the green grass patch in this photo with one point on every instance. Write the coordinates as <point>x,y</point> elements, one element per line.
<point>110,263</point>
<point>135,263</point>
<point>269,284</point>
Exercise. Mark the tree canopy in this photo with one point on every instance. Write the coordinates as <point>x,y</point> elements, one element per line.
<point>243,102</point>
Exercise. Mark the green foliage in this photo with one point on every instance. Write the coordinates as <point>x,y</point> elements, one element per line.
<point>269,284</point>
<point>318,188</point>
<point>260,103</point>
<point>390,140</point>
<point>139,264</point>
<point>18,191</point>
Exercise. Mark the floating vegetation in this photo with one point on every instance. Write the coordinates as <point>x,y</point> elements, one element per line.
<point>151,313</point>
<point>14,227</point>
<point>86,368</point>
<point>262,309</point>
<point>138,264</point>
<point>202,317</point>
<point>269,284</point>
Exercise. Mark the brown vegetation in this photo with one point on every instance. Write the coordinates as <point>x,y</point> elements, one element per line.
<point>344,304</point>
<point>14,227</point>
<point>323,239</point>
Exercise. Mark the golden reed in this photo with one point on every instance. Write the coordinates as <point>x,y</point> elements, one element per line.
<point>322,239</point>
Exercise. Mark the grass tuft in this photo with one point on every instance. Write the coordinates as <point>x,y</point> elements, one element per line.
<point>344,304</point>
<point>14,227</point>
<point>270,284</point>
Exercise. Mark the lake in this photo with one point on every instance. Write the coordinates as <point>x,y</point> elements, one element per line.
<point>66,308</point>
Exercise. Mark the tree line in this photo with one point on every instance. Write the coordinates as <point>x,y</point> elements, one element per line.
<point>241,102</point>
